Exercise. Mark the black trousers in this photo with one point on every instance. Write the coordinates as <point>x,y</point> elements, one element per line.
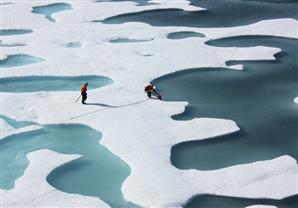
<point>84,97</point>
<point>149,93</point>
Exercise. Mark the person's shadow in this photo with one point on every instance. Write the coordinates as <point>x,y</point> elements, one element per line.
<point>102,105</point>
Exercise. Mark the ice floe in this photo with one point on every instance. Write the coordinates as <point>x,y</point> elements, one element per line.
<point>7,130</point>
<point>261,206</point>
<point>32,190</point>
<point>140,131</point>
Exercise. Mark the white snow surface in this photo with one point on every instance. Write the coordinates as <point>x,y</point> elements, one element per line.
<point>261,206</point>
<point>32,190</point>
<point>88,10</point>
<point>7,130</point>
<point>140,131</point>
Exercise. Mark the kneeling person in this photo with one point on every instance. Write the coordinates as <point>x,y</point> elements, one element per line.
<point>150,89</point>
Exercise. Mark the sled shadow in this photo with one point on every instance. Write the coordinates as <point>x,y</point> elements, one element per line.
<point>155,98</point>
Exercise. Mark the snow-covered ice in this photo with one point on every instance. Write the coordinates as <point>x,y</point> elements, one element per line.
<point>261,206</point>
<point>32,190</point>
<point>7,130</point>
<point>140,131</point>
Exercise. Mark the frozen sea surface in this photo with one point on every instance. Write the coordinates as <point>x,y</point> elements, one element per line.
<point>14,32</point>
<point>230,202</point>
<point>97,173</point>
<point>50,9</point>
<point>50,83</point>
<point>19,60</point>
<point>259,99</point>
<point>184,34</point>
<point>224,13</point>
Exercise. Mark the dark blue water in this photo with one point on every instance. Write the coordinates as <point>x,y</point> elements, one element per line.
<point>97,173</point>
<point>11,45</point>
<point>233,202</point>
<point>184,34</point>
<point>48,10</point>
<point>223,13</point>
<point>127,40</point>
<point>14,32</point>
<point>259,99</point>
<point>74,45</point>
<point>19,60</point>
<point>51,83</point>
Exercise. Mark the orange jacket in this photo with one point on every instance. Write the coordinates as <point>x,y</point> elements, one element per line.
<point>83,88</point>
<point>149,88</point>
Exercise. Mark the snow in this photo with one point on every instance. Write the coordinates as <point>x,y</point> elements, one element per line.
<point>278,27</point>
<point>88,10</point>
<point>96,46</point>
<point>296,100</point>
<point>139,131</point>
<point>7,130</point>
<point>32,190</point>
<point>261,206</point>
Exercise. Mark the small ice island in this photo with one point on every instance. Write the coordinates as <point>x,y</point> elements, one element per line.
<point>223,134</point>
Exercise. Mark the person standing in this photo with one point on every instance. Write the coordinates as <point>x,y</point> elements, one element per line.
<point>84,92</point>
